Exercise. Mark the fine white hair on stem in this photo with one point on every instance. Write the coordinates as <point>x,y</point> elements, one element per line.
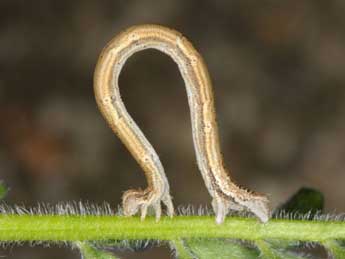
<point>85,208</point>
<point>82,208</point>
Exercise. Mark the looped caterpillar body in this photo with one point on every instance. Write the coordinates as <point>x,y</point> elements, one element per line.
<point>225,193</point>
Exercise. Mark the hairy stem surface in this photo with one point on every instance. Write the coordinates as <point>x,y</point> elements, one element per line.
<point>73,228</point>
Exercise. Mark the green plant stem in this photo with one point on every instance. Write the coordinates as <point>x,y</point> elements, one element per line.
<point>73,228</point>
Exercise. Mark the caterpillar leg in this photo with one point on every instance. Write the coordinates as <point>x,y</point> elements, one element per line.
<point>167,201</point>
<point>255,203</point>
<point>140,200</point>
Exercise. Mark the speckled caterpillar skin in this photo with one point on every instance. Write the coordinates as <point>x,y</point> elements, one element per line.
<point>225,193</point>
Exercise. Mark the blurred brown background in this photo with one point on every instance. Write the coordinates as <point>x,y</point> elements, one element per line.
<point>278,71</point>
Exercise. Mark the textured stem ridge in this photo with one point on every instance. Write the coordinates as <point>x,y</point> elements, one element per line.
<point>225,193</point>
<point>64,228</point>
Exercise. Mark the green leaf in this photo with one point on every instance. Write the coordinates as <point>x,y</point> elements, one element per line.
<point>3,190</point>
<point>89,252</point>
<point>335,248</point>
<point>305,201</point>
<point>182,252</point>
<point>268,251</point>
<point>220,249</point>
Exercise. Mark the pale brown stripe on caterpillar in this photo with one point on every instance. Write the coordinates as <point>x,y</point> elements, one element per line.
<point>225,193</point>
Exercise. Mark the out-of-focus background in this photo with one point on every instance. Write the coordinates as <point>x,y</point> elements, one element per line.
<point>278,71</point>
